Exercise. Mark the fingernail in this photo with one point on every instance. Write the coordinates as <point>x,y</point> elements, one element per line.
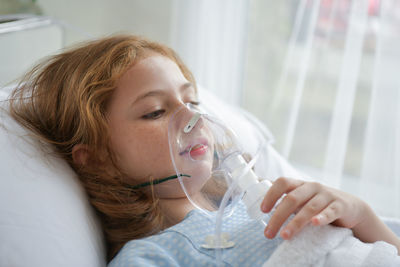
<point>286,233</point>
<point>317,219</point>
<point>268,233</point>
<point>263,207</point>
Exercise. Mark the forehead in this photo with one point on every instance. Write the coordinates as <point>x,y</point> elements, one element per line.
<point>154,72</point>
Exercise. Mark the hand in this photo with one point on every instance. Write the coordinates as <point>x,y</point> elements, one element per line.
<point>313,203</point>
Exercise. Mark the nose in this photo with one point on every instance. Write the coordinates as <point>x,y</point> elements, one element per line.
<point>187,117</point>
<point>192,122</point>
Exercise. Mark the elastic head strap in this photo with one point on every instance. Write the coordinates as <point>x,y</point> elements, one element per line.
<point>158,181</point>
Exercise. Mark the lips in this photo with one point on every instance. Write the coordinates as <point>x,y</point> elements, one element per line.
<point>197,148</point>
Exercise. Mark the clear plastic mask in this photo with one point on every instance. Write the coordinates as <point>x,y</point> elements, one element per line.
<point>199,146</point>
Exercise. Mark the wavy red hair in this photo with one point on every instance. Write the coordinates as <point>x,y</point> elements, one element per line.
<point>63,102</point>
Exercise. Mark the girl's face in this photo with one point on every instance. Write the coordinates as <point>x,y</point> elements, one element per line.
<point>138,115</point>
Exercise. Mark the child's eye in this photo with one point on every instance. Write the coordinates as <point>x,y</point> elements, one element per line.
<point>154,115</point>
<point>195,103</point>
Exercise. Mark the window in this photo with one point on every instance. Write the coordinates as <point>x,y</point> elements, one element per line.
<point>322,76</point>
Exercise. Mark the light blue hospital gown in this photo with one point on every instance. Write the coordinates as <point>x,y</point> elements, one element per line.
<point>180,245</point>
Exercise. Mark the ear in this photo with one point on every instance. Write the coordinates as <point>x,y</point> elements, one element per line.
<point>80,154</point>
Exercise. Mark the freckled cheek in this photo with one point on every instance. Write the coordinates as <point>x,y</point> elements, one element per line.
<point>156,148</point>
<point>148,152</point>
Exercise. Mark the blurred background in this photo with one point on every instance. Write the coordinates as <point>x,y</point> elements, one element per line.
<point>323,75</point>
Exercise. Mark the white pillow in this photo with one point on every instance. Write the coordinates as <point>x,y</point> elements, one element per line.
<point>46,219</point>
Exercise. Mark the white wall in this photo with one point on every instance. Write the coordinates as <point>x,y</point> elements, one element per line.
<point>82,20</point>
<point>94,18</point>
<point>24,42</point>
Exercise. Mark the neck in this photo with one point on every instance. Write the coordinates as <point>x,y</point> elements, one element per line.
<point>174,210</point>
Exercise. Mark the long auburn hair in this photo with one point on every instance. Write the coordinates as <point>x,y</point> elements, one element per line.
<point>63,102</point>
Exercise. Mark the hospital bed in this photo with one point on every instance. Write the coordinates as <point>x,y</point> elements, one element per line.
<point>46,219</point>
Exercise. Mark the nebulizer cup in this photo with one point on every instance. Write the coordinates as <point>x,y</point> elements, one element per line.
<point>211,169</point>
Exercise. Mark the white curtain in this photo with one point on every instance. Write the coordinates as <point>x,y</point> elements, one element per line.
<point>210,36</point>
<point>349,59</point>
<point>381,159</point>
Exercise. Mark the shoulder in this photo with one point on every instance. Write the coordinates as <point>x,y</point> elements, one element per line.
<point>168,248</point>
<point>152,251</point>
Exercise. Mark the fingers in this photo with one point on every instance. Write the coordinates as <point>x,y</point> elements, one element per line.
<point>311,202</point>
<point>329,214</point>
<point>294,200</point>
<point>311,211</point>
<point>279,187</point>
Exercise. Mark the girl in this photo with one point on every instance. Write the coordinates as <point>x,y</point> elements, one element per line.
<point>105,107</point>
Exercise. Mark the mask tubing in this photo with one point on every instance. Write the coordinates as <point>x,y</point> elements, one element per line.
<point>218,219</point>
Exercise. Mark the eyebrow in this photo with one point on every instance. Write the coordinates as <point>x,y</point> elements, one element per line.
<point>156,92</point>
